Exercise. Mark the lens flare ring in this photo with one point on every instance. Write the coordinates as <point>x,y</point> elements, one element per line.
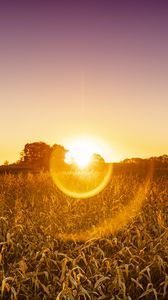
<point>80,182</point>
<point>111,224</point>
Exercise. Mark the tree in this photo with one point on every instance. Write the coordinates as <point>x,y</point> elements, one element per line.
<point>97,162</point>
<point>58,156</point>
<point>97,159</point>
<point>36,155</point>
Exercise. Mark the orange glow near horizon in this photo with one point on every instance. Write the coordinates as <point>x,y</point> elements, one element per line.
<point>82,159</point>
<point>81,151</point>
<point>75,179</point>
<point>62,76</point>
<point>83,147</point>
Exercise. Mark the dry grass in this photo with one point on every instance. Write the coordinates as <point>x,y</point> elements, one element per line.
<point>37,262</point>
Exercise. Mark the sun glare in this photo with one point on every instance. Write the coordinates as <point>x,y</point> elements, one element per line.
<point>80,153</point>
<point>81,159</point>
<point>82,182</point>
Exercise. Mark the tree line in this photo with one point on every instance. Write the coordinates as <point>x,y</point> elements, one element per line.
<point>36,156</point>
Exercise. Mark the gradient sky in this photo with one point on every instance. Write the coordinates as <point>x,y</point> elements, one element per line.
<point>95,68</point>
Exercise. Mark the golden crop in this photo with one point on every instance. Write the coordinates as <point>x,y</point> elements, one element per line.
<point>56,247</point>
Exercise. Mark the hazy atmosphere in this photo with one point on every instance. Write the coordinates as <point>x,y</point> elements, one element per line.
<point>94,68</point>
<point>83,150</point>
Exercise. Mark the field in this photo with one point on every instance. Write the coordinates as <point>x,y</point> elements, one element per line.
<point>111,246</point>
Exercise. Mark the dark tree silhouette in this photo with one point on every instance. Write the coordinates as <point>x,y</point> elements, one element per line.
<point>58,156</point>
<point>36,155</point>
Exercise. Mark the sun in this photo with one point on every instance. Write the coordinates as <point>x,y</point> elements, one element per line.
<point>84,178</point>
<point>81,152</point>
<point>81,159</point>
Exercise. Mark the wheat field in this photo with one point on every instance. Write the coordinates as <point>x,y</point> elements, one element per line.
<point>56,247</point>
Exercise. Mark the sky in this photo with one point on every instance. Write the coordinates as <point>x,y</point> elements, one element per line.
<point>84,68</point>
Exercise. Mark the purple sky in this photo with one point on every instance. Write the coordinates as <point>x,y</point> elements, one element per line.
<point>97,68</point>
